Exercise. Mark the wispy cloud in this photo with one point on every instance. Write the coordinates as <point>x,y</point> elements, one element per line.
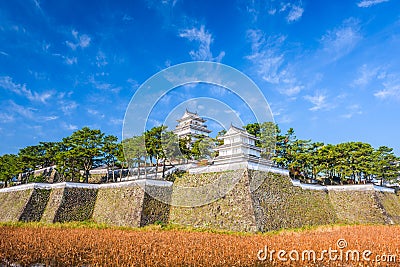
<point>204,39</point>
<point>293,10</point>
<point>7,83</point>
<point>318,100</point>
<point>367,74</point>
<point>67,106</point>
<point>267,56</point>
<point>71,60</point>
<point>391,89</point>
<point>114,121</point>
<point>49,118</point>
<point>4,53</point>
<point>103,85</point>
<point>342,40</point>
<point>6,118</point>
<point>101,59</point>
<point>352,110</point>
<point>95,113</point>
<point>37,5</point>
<point>295,13</point>
<point>69,126</point>
<point>80,40</point>
<point>369,3</point>
<point>24,111</point>
<point>269,60</point>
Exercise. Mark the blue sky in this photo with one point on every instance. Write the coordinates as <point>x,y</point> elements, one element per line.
<point>329,69</point>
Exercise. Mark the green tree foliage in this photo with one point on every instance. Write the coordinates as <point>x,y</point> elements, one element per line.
<point>135,151</point>
<point>37,157</point>
<point>153,142</point>
<point>266,134</point>
<point>203,147</point>
<point>86,149</point>
<point>184,147</point>
<point>385,164</point>
<point>110,153</point>
<point>9,167</point>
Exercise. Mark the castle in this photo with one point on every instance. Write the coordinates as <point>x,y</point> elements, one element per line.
<point>238,150</point>
<point>262,198</point>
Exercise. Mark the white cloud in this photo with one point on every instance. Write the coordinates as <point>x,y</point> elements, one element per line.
<point>80,40</point>
<point>71,61</point>
<point>5,118</point>
<point>101,59</point>
<point>204,39</point>
<point>342,40</point>
<point>391,90</point>
<point>95,113</point>
<point>37,4</point>
<point>292,90</point>
<point>292,10</point>
<point>352,110</point>
<point>113,121</point>
<point>69,126</point>
<point>3,53</point>
<point>22,110</point>
<point>318,100</point>
<point>7,83</point>
<point>103,85</point>
<point>267,57</point>
<point>127,18</point>
<point>368,3</point>
<point>365,75</point>
<point>295,13</point>
<point>67,107</point>
<point>49,118</point>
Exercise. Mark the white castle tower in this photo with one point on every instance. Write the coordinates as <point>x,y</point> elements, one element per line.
<point>191,124</point>
<point>239,146</point>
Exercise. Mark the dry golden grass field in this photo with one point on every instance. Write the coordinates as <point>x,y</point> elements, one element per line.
<point>66,245</point>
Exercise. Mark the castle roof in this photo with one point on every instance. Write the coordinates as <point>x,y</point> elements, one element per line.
<point>188,115</point>
<point>233,130</point>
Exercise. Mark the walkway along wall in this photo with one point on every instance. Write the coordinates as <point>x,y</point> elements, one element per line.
<point>276,202</point>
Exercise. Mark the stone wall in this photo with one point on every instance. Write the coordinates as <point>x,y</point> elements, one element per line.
<point>240,200</point>
<point>36,205</point>
<point>77,204</point>
<point>357,207</point>
<point>278,204</point>
<point>390,204</point>
<point>234,211</point>
<point>155,207</point>
<point>120,206</point>
<point>127,204</point>
<point>53,204</point>
<point>13,203</point>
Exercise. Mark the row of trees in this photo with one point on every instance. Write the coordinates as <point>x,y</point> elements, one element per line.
<point>86,149</point>
<point>159,145</point>
<point>350,162</point>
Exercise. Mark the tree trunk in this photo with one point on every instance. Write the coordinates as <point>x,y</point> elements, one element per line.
<point>145,168</point>
<point>163,170</point>
<point>113,171</point>
<point>86,176</point>
<point>120,173</point>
